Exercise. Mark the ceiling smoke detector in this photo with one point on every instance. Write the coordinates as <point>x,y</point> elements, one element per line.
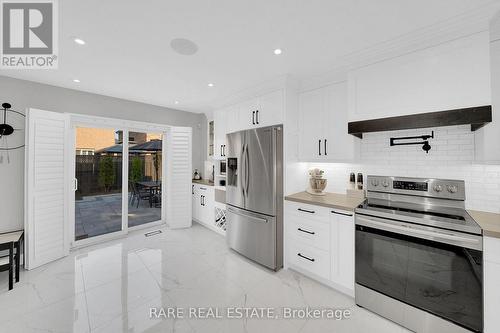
<point>183,46</point>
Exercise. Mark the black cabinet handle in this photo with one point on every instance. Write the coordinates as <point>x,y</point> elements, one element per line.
<point>201,200</point>
<point>306,211</point>
<point>306,231</point>
<point>303,256</point>
<point>339,213</point>
<point>326,153</point>
<point>221,153</point>
<point>319,147</point>
<point>253,117</point>
<point>192,190</point>
<point>257,117</point>
<point>223,150</point>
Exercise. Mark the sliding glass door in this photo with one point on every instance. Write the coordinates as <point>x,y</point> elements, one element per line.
<point>144,178</point>
<point>98,185</point>
<point>107,202</point>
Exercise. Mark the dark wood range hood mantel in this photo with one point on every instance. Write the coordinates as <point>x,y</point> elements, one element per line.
<point>477,117</point>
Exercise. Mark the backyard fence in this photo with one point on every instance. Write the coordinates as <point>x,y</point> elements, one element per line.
<point>93,180</point>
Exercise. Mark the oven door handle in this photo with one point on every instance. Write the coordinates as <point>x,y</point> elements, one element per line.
<point>471,242</point>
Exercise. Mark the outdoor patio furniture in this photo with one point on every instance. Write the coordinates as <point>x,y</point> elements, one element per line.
<point>152,187</point>
<point>11,241</point>
<point>157,198</point>
<point>142,192</point>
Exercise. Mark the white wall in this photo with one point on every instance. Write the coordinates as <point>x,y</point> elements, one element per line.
<point>24,94</point>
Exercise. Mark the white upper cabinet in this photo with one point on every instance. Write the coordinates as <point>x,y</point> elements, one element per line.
<point>265,110</point>
<point>246,117</point>
<point>270,109</point>
<point>311,113</point>
<point>339,145</point>
<point>452,75</point>
<point>323,117</point>
<point>220,130</point>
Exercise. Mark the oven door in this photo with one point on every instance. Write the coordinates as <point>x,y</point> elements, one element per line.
<point>436,271</point>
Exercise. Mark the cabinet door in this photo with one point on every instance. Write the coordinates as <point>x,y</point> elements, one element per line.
<point>270,109</point>
<point>195,201</point>
<point>246,114</point>
<point>342,251</point>
<point>311,105</point>
<point>491,296</point>
<point>206,204</point>
<point>219,133</point>
<point>232,120</point>
<point>338,144</point>
<point>209,206</point>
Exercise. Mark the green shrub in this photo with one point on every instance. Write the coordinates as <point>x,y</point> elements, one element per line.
<point>135,174</point>
<point>107,175</point>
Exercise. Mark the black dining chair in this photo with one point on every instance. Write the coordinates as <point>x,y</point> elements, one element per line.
<point>157,198</point>
<point>141,193</point>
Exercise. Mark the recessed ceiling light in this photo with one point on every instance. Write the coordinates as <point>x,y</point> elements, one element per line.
<point>176,102</point>
<point>277,51</point>
<point>76,80</point>
<point>79,41</point>
<point>210,84</point>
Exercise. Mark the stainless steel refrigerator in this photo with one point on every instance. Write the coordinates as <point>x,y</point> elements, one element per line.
<point>254,194</point>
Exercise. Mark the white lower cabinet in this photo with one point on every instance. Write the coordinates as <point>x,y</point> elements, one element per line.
<point>491,282</point>
<point>342,244</point>
<point>320,244</point>
<point>310,258</point>
<point>203,204</point>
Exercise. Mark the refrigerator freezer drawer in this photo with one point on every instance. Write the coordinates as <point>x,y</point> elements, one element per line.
<point>252,235</point>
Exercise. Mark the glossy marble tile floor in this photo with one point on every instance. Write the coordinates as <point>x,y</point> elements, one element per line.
<point>112,286</point>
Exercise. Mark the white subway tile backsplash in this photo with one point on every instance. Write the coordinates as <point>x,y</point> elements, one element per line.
<point>451,157</point>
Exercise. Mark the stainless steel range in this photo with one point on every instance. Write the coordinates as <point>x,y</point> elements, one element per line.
<point>419,255</point>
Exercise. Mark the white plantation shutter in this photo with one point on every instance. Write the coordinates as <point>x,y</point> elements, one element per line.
<point>178,171</point>
<point>46,188</point>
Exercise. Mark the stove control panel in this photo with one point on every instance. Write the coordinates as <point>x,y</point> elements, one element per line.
<point>428,187</point>
<point>411,186</point>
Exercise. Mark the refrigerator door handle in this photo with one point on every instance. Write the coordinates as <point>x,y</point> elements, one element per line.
<point>253,217</point>
<point>247,170</point>
<point>242,170</point>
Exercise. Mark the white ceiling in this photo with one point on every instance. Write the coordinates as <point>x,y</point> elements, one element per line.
<point>128,52</point>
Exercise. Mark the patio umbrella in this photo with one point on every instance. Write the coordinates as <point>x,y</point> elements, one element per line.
<point>118,148</point>
<point>154,145</point>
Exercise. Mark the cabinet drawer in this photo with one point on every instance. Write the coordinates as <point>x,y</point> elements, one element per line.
<point>311,232</point>
<point>309,259</point>
<point>308,211</point>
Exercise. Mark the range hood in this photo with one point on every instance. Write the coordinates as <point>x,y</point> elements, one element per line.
<point>476,117</point>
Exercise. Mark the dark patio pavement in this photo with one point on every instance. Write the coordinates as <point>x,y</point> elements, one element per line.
<point>101,214</point>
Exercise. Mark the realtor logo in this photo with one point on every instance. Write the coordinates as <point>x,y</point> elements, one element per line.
<point>29,34</point>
